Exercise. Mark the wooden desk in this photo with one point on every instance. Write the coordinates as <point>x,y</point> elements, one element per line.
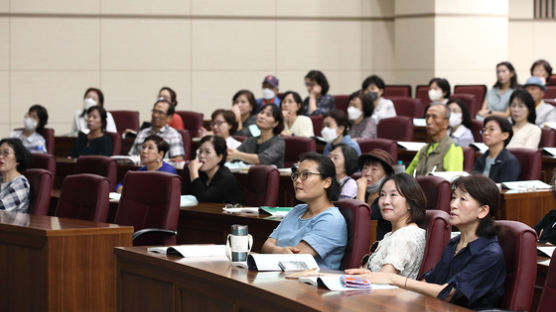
<point>154,282</point>
<point>526,207</point>
<point>56,264</point>
<point>63,145</point>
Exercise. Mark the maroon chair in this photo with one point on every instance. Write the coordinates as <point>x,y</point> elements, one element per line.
<point>547,302</point>
<point>48,135</point>
<point>84,196</point>
<point>406,106</point>
<point>192,121</point>
<point>550,92</point>
<point>468,158</point>
<point>397,90</point>
<point>548,136</point>
<point>100,165</point>
<point>125,119</point>
<point>437,225</point>
<point>399,128</point>
<point>296,146</point>
<point>422,93</point>
<point>186,140</point>
<point>519,244</point>
<point>116,143</point>
<point>240,138</point>
<point>44,161</point>
<point>477,130</point>
<point>357,215</point>
<point>40,181</point>
<point>341,102</point>
<point>470,100</point>
<point>530,162</point>
<point>438,192</point>
<point>551,80</point>
<point>317,123</point>
<point>479,91</point>
<point>262,184</point>
<point>150,202</point>
<point>367,145</point>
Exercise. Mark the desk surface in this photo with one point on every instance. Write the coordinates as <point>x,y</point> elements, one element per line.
<point>176,283</point>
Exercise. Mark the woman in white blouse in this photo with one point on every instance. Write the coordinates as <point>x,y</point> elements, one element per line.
<point>522,110</point>
<point>383,108</point>
<point>295,123</point>
<point>92,97</point>
<point>402,202</point>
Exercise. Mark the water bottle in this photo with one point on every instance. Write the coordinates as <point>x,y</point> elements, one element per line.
<point>399,167</point>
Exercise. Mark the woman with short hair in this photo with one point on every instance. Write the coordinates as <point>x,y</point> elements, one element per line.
<point>96,142</point>
<point>382,108</point>
<point>223,124</point>
<point>336,130</point>
<point>319,101</point>
<point>344,158</point>
<point>439,90</point>
<point>33,122</point>
<point>14,187</point>
<point>360,111</point>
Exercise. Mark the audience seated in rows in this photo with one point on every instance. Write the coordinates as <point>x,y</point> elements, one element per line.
<point>271,87</point>
<point>319,101</point>
<point>223,124</point>
<point>545,112</point>
<point>95,141</point>
<point>460,123</point>
<point>344,158</point>
<point>383,108</point>
<point>34,120</point>
<point>14,187</point>
<point>245,109</point>
<point>170,95</point>
<point>92,97</point>
<point>526,133</point>
<point>294,122</point>
<point>335,131</point>
<point>497,99</point>
<point>360,112</point>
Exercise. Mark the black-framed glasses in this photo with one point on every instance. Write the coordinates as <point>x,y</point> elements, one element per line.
<point>303,175</point>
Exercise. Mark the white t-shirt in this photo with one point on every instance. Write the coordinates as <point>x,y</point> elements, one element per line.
<point>80,123</point>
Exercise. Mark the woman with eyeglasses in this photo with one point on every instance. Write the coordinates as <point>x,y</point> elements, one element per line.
<point>223,124</point>
<point>315,227</point>
<point>14,189</point>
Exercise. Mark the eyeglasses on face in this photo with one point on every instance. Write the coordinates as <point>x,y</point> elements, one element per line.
<point>158,112</point>
<point>303,175</point>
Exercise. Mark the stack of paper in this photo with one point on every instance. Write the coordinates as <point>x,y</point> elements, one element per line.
<point>192,251</point>
<point>530,185</point>
<point>411,146</point>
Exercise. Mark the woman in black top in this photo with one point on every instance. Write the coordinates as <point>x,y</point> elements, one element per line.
<point>97,142</point>
<point>210,180</point>
<point>546,228</point>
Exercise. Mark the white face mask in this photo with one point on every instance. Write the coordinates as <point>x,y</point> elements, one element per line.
<point>29,123</point>
<point>353,113</point>
<point>328,134</point>
<point>455,119</point>
<point>268,94</point>
<point>435,94</point>
<point>88,103</point>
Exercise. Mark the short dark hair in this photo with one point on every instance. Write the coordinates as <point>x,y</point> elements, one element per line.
<point>410,189</point>
<point>42,113</point>
<point>102,113</point>
<point>367,101</point>
<point>296,98</point>
<point>546,66</point>
<point>485,192</point>
<point>22,155</point>
<point>350,158</point>
<point>465,116</point>
<point>219,145</point>
<point>171,109</point>
<point>229,116</point>
<point>173,95</point>
<point>318,77</point>
<point>277,114</point>
<point>513,80</point>
<point>442,84</point>
<point>374,79</point>
<point>161,145</point>
<point>250,98</point>
<point>526,99</point>
<point>504,125</point>
<point>99,94</point>
<point>341,120</point>
<point>326,169</point>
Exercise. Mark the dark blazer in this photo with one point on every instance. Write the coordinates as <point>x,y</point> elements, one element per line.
<point>505,168</point>
<point>223,188</point>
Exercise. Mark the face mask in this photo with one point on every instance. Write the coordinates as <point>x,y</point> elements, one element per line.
<point>268,94</point>
<point>328,134</point>
<point>353,113</point>
<point>29,123</point>
<point>371,189</point>
<point>435,94</point>
<point>88,103</point>
<point>455,119</point>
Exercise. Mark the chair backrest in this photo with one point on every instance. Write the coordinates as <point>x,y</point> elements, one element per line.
<point>125,119</point>
<point>547,302</point>
<point>317,123</point>
<point>295,147</point>
<point>240,138</point>
<point>192,121</point>
<point>422,93</point>
<point>519,244</point>
<point>397,90</point>
<point>530,162</point>
<point>468,158</point>
<point>437,225</point>
<point>40,181</point>
<point>44,161</point>
<point>48,135</point>
<point>548,137</point>
<point>479,91</point>
<point>438,192</point>
<point>399,128</point>
<point>367,145</point>
<point>186,141</point>
<point>552,80</point>
<point>116,143</point>
<point>98,164</point>
<point>262,186</point>
<point>341,102</point>
<point>471,101</point>
<point>476,129</point>
<point>357,215</point>
<point>550,92</point>
<point>84,196</point>
<point>406,106</point>
<point>150,199</point>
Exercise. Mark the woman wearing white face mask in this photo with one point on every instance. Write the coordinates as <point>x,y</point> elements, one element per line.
<point>359,111</point>
<point>439,90</point>
<point>92,97</point>
<point>35,120</point>
<point>460,122</point>
<point>335,131</point>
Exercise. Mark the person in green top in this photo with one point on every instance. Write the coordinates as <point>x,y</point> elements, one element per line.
<point>442,153</point>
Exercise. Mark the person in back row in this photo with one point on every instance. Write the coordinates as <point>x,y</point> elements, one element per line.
<point>460,122</point>
<point>223,124</point>
<point>382,108</point>
<point>344,158</point>
<point>295,123</point>
<point>497,99</point>
<point>244,107</point>
<point>270,92</point>
<point>526,133</point>
<point>170,95</point>
<point>33,122</point>
<point>92,97</point>
<point>442,153</point>
<point>96,142</point>
<point>360,111</point>
<point>439,90</point>
<point>319,101</point>
<point>161,113</point>
<point>335,131</point>
<point>545,112</point>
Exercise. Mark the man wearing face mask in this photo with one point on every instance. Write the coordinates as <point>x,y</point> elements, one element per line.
<point>92,97</point>
<point>35,120</point>
<point>270,91</point>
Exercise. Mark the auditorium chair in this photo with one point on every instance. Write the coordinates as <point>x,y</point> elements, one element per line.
<point>295,147</point>
<point>550,92</point>
<point>98,164</point>
<point>192,121</point>
<point>399,128</point>
<point>471,101</point>
<point>341,102</point>
<point>422,93</point>
<point>44,161</point>
<point>367,145</point>
<point>240,138</point>
<point>125,119</point>
<point>116,143</point>
<point>262,184</point>
<point>530,162</point>
<point>397,90</point>
<point>551,81</point>
<point>406,106</point>
<point>186,141</point>
<point>468,158</point>
<point>547,302</point>
<point>437,225</point>
<point>437,191</point>
<point>548,137</point>
<point>317,123</point>
<point>84,196</point>
<point>40,181</point>
<point>357,215</point>
<point>477,129</point>
<point>478,90</point>
<point>150,202</point>
<point>519,244</point>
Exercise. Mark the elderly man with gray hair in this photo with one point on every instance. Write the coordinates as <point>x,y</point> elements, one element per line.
<point>442,153</point>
